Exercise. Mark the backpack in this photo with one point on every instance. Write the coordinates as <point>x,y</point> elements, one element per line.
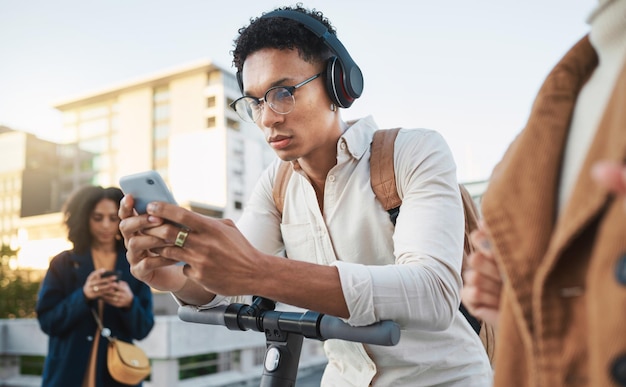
<point>383,183</point>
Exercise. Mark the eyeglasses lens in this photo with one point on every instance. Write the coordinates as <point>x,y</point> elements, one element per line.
<point>248,108</point>
<point>280,100</point>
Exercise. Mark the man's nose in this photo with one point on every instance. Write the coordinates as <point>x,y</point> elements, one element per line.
<point>268,117</point>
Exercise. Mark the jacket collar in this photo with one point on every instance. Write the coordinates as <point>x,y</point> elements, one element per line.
<point>588,198</point>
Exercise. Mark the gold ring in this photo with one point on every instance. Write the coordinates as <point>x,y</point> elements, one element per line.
<point>95,289</point>
<point>181,237</point>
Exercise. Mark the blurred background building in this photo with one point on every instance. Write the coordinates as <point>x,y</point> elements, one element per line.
<point>177,122</point>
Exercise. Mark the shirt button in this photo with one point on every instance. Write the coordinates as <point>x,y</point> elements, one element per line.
<point>620,270</point>
<point>619,370</point>
<point>89,338</point>
<point>331,178</point>
<point>342,146</point>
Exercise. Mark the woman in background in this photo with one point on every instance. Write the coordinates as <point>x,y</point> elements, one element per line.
<point>78,282</point>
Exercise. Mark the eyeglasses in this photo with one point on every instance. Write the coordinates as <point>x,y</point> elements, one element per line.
<point>279,98</point>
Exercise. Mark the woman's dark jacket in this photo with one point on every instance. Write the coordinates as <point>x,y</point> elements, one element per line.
<point>64,314</point>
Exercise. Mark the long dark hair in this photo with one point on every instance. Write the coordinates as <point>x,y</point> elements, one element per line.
<point>78,209</point>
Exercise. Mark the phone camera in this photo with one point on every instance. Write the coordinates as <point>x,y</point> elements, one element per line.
<point>150,181</point>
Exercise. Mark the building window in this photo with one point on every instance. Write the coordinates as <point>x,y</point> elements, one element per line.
<point>233,124</point>
<point>210,102</point>
<point>160,152</point>
<point>97,145</point>
<point>214,77</point>
<point>161,131</point>
<point>161,95</point>
<point>160,126</point>
<point>92,128</point>
<point>161,112</point>
<point>210,122</point>
<point>91,113</point>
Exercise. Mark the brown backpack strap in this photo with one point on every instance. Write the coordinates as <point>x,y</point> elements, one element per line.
<point>383,178</point>
<point>283,174</point>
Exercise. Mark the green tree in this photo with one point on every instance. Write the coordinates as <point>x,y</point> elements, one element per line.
<point>18,294</point>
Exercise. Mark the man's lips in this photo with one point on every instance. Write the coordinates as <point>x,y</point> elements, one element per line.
<point>279,142</point>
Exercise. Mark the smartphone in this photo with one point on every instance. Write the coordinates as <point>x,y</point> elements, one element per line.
<point>116,273</point>
<point>146,187</point>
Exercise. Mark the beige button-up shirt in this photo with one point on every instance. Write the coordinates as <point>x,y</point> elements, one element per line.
<point>409,274</point>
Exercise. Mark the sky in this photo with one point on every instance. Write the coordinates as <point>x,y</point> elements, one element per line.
<point>467,69</point>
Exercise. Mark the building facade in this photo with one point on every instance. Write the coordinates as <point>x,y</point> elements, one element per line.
<point>178,123</point>
<point>35,178</point>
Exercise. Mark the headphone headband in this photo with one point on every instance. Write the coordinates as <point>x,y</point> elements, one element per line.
<point>343,77</point>
<point>353,78</point>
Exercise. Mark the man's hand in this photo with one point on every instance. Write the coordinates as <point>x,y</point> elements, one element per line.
<point>145,264</point>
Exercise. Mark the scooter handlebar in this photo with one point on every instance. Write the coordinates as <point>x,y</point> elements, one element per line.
<point>325,327</point>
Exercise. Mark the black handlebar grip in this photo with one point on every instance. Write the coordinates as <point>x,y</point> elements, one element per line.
<point>381,333</point>
<point>213,316</point>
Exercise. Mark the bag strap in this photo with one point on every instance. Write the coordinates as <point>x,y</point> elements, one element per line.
<point>283,174</point>
<point>104,331</point>
<point>382,175</point>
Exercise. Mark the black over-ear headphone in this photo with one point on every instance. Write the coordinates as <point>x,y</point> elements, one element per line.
<point>344,80</point>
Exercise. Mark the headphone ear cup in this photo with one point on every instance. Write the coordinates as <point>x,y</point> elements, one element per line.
<point>334,84</point>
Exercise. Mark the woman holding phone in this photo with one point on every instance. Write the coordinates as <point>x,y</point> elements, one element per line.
<point>91,279</point>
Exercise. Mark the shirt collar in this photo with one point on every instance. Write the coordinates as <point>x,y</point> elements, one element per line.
<point>358,136</point>
<point>355,140</point>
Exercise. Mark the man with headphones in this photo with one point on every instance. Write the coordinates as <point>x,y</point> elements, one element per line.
<point>345,257</point>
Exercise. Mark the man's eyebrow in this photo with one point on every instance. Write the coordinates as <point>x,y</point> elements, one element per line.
<point>278,82</point>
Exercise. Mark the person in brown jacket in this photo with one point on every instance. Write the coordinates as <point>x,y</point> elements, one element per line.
<point>550,263</point>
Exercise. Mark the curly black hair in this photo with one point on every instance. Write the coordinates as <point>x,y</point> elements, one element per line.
<point>77,211</point>
<point>282,33</point>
